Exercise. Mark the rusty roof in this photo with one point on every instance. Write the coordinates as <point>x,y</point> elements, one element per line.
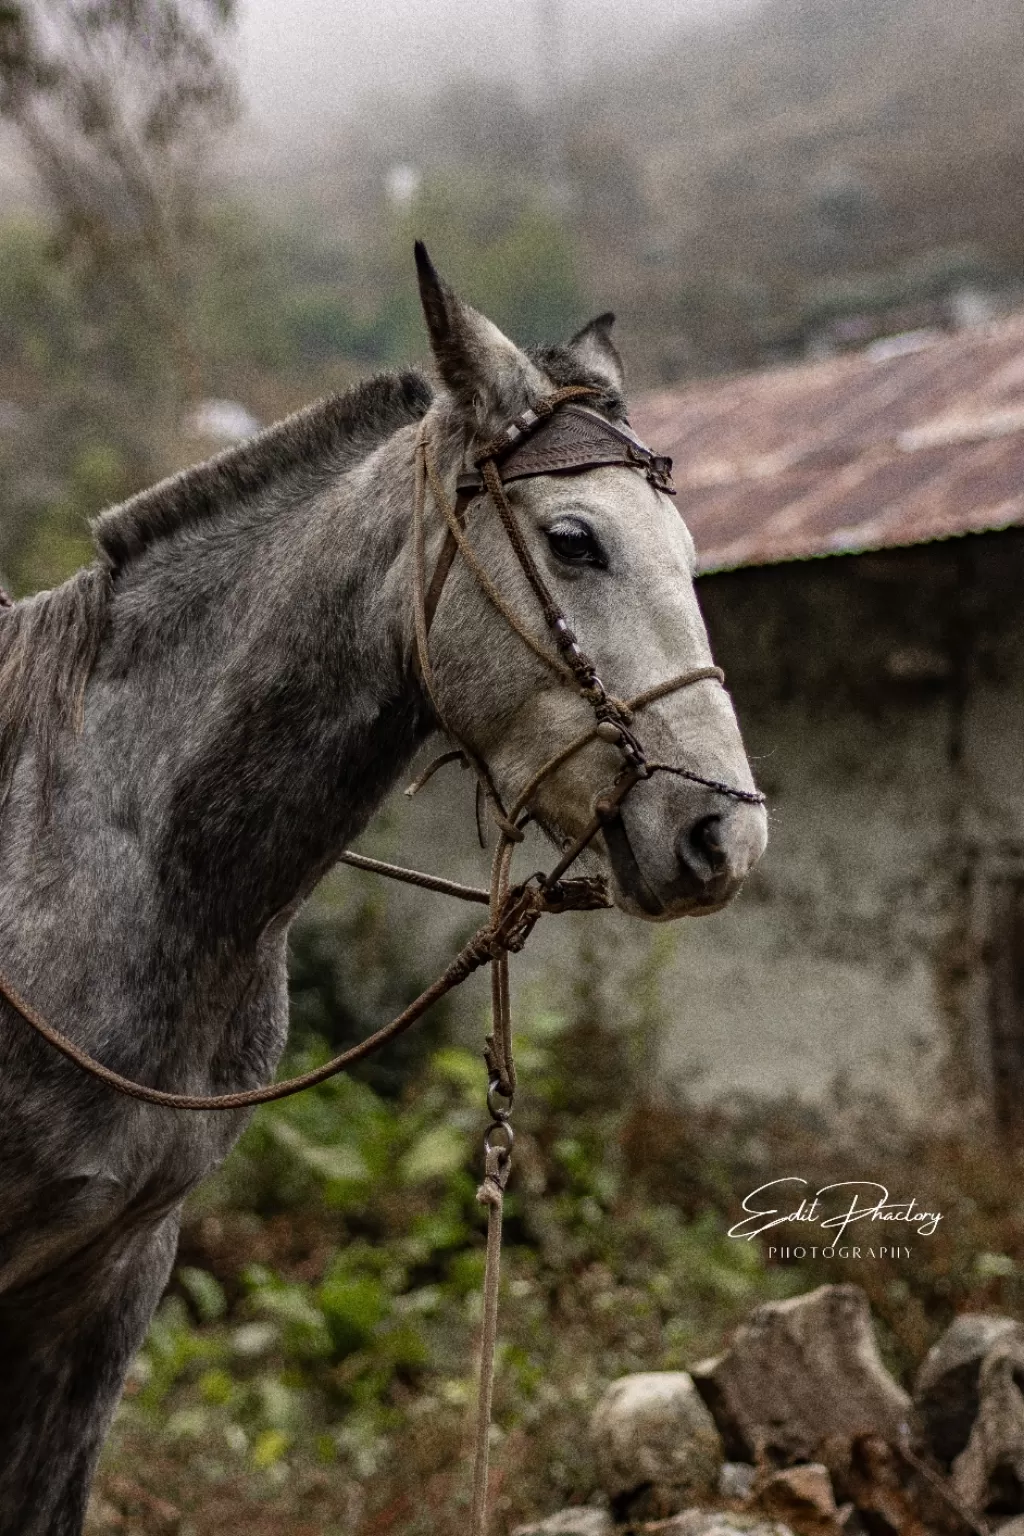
<point>917,438</point>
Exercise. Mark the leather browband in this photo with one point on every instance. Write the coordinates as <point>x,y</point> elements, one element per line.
<point>575,439</point>
<point>571,440</point>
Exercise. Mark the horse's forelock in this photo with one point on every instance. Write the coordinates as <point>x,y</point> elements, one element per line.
<point>564,366</point>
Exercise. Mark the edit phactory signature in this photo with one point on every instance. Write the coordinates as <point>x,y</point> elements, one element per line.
<point>832,1209</point>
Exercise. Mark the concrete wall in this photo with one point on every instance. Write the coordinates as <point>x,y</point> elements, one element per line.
<point>885,693</point>
<point>883,699</point>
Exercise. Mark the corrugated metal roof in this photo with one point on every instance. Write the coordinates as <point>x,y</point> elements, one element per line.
<point>917,438</point>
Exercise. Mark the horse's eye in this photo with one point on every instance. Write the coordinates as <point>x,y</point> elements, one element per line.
<point>573,543</point>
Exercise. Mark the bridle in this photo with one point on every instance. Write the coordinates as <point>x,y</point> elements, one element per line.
<point>557,435</point>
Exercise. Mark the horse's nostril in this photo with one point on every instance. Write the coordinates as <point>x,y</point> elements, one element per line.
<point>707,852</point>
<point>715,852</point>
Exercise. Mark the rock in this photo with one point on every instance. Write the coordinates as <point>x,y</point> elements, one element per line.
<point>719,1522</point>
<point>802,1375</point>
<point>802,1496</point>
<point>875,1480</point>
<point>988,1475</point>
<point>946,1390</point>
<point>571,1522</point>
<point>656,1445</point>
<point>736,1480</point>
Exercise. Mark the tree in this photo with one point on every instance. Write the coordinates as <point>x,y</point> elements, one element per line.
<point>115,103</point>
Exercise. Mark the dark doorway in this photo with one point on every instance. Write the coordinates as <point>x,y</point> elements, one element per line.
<point>1005,967</point>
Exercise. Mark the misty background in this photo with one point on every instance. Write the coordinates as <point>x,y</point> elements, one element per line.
<point>207,210</point>
<point>402,46</point>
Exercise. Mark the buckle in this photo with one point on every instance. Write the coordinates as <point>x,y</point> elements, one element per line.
<point>659,473</point>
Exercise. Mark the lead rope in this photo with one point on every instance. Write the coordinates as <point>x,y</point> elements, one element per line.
<point>555,895</point>
<point>497,1167</point>
<point>498,1053</point>
<point>612,722</point>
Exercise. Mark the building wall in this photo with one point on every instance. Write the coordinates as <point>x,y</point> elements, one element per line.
<point>884,696</point>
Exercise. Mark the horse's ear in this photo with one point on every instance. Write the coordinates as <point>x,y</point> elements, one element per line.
<point>486,372</point>
<point>598,353</point>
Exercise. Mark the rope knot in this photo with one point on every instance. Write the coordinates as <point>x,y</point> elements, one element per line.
<point>497,1168</point>
<point>497,1156</point>
<point>490,1193</point>
<point>585,893</point>
<point>516,921</point>
<point>477,952</point>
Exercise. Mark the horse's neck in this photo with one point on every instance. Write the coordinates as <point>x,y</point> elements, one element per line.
<point>254,703</point>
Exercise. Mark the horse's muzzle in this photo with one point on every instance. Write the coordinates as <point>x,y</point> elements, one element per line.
<point>716,854</point>
<point>713,854</point>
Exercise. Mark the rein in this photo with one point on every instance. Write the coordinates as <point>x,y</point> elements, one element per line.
<point>539,441</point>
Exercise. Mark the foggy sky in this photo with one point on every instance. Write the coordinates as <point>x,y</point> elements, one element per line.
<point>305,65</point>
<point>313,59</point>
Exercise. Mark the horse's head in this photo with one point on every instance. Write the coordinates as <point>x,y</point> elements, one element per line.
<point>615,555</point>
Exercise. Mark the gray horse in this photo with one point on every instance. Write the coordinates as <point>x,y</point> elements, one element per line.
<point>193,728</point>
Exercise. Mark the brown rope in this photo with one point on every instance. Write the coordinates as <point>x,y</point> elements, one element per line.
<point>443,758</point>
<point>478,952</point>
<point>491,1194</point>
<point>607,807</point>
<point>484,580</point>
<point>518,914</point>
<point>498,1052</point>
<point>748,796</point>
<point>417,877</point>
<point>419,566</point>
<point>630,708</point>
<point>479,767</point>
<point>580,667</point>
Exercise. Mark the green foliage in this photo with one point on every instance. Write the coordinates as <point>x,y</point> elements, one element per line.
<point>76,442</point>
<point>323,1319</point>
<point>330,1290</point>
<point>60,541</point>
<point>40,319</point>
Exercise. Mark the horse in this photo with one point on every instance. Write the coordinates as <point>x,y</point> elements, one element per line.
<point>193,728</point>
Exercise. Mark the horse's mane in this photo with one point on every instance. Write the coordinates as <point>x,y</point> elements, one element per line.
<point>49,643</point>
<point>48,647</point>
<point>326,437</point>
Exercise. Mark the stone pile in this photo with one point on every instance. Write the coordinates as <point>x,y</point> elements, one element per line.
<point>798,1429</point>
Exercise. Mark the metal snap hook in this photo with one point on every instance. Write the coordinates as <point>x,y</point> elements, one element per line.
<point>503,1148</point>
<point>500,1112</point>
